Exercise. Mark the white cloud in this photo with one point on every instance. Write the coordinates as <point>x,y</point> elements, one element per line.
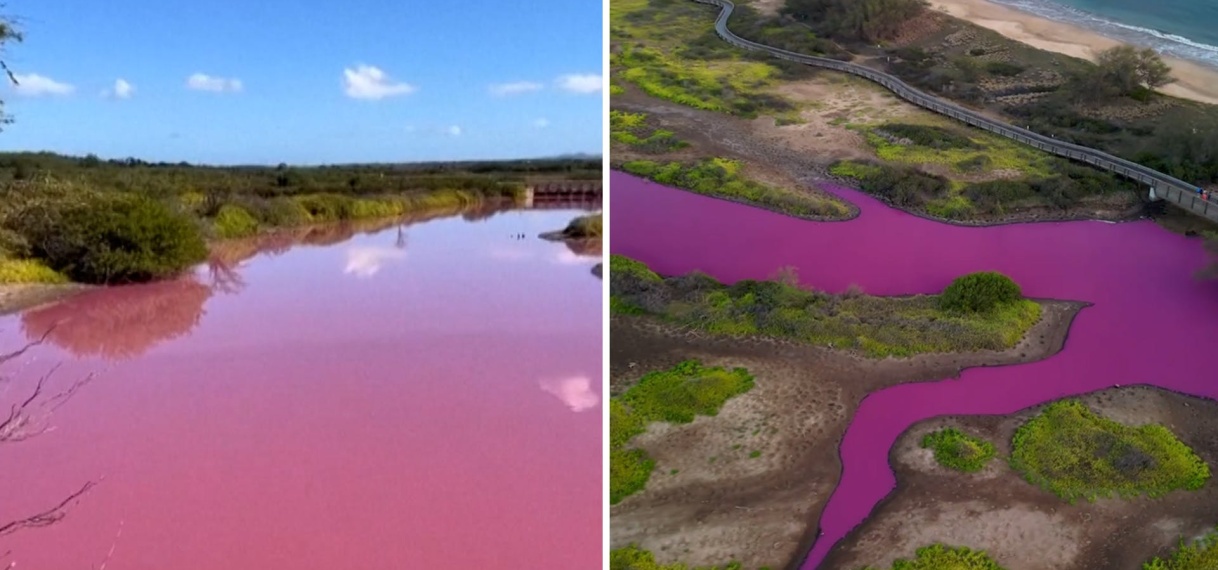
<point>541,123</point>
<point>453,130</point>
<point>370,83</point>
<point>581,83</point>
<point>121,90</point>
<point>515,88</point>
<point>575,392</point>
<point>34,85</point>
<point>204,82</point>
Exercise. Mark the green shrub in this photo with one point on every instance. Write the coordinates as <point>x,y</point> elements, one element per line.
<point>676,395</point>
<point>1003,68</point>
<point>1072,452</point>
<point>234,222</point>
<point>956,450</point>
<point>27,271</point>
<point>940,557</point>
<point>115,239</point>
<point>980,292</point>
<point>1201,554</point>
<point>584,227</point>
<point>625,266</point>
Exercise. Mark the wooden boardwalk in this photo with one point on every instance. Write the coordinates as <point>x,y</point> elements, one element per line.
<point>1161,186</point>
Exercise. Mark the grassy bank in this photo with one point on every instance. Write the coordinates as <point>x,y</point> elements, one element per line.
<point>584,227</point>
<point>941,557</point>
<point>1074,453</point>
<point>635,558</point>
<point>873,326</point>
<point>635,131</point>
<point>1198,554</point>
<point>677,396</point>
<point>721,178</point>
<point>96,221</point>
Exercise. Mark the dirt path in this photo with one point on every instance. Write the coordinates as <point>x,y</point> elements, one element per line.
<point>749,484</point>
<point>1021,526</point>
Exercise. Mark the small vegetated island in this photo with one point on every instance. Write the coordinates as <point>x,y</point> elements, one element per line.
<point>96,221</point>
<point>1056,454</point>
<point>692,432</point>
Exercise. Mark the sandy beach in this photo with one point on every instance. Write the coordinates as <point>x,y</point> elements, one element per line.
<point>1193,81</point>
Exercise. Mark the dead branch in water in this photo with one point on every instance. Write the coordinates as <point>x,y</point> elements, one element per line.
<point>29,418</point>
<point>47,517</point>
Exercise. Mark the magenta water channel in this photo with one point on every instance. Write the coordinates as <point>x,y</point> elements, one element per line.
<point>1152,321</point>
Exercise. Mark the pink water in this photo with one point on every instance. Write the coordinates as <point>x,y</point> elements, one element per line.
<point>352,406</point>
<point>1151,323</point>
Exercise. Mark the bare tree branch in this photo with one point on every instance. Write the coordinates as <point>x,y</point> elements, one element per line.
<point>48,517</point>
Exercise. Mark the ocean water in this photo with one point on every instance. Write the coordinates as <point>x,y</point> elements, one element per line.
<point>1187,29</point>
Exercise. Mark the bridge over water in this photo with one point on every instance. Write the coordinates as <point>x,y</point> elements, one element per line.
<point>1161,186</point>
<point>562,191</point>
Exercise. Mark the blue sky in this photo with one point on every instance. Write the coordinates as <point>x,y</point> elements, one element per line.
<point>306,81</point>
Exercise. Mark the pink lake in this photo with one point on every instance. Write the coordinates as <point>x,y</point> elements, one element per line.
<point>1152,322</point>
<point>423,398</point>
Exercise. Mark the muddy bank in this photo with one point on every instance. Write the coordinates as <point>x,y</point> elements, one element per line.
<point>15,298</point>
<point>996,510</point>
<point>750,483</point>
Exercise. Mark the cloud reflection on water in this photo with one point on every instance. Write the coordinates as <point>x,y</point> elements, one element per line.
<point>576,392</point>
<point>366,261</point>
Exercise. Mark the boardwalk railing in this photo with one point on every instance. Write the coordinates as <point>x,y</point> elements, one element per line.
<point>1161,185</point>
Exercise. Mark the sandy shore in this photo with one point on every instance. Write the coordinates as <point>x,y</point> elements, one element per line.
<point>1193,81</point>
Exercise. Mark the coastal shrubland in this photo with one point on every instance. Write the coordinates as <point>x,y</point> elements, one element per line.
<point>941,557</point>
<point>634,558</point>
<point>874,326</point>
<point>957,450</point>
<point>587,227</point>
<point>1072,452</point>
<point>980,292</point>
<point>851,20</point>
<point>100,221</point>
<point>677,396</point>
<point>1200,554</point>
<point>721,178</point>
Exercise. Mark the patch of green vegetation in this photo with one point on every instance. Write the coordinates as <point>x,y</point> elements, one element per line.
<point>1201,554</point>
<point>940,557</point>
<point>635,558</point>
<point>875,326</point>
<point>28,271</point>
<point>631,129</point>
<point>615,89</point>
<point>668,49</point>
<point>957,450</point>
<point>40,190</point>
<point>233,221</point>
<point>676,396</point>
<point>980,292</point>
<point>951,146</point>
<point>111,239</point>
<point>754,454</point>
<point>720,177</point>
<point>1073,452</point>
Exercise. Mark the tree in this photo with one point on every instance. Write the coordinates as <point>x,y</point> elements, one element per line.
<point>855,20</point>
<point>8,33</point>
<point>1125,70</point>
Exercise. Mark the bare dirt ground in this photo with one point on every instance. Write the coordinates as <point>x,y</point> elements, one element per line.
<point>749,484</point>
<point>1023,527</point>
<point>16,298</point>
